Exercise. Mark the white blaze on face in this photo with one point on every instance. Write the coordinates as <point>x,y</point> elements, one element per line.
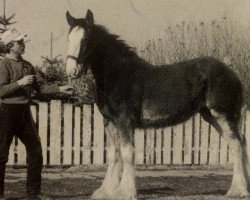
<point>75,37</point>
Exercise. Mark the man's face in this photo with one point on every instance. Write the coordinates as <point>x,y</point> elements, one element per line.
<point>18,47</point>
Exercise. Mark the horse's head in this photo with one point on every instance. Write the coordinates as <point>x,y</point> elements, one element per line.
<point>78,44</point>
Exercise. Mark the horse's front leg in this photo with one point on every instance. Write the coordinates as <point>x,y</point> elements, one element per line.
<point>127,188</point>
<point>112,177</point>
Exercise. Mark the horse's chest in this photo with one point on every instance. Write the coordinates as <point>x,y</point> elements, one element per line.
<point>105,111</point>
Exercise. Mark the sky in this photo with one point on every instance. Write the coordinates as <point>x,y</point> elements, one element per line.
<point>134,20</point>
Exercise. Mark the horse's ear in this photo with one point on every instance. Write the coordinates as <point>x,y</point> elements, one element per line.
<point>89,17</point>
<point>70,19</point>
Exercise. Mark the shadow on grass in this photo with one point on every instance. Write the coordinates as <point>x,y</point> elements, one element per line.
<point>215,192</point>
<point>157,190</point>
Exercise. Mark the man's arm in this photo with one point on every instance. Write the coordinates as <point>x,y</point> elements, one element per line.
<point>44,88</point>
<point>6,88</point>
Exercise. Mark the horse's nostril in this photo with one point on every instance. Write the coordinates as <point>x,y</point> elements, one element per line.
<point>75,71</point>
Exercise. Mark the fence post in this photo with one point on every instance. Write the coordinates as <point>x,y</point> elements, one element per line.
<point>67,134</point>
<point>86,150</point>
<point>77,136</point>
<point>188,141</point>
<point>214,147</point>
<point>55,132</point>
<point>98,137</point>
<point>139,146</point>
<point>43,129</point>
<point>177,143</point>
<point>158,146</point>
<point>204,142</point>
<point>196,126</point>
<point>150,148</point>
<point>167,149</point>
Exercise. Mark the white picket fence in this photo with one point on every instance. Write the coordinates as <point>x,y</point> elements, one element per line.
<point>75,136</point>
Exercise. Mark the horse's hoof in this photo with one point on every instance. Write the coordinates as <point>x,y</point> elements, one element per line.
<point>235,191</point>
<point>99,194</point>
<point>124,195</point>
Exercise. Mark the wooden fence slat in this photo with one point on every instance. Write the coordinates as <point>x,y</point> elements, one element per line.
<point>98,147</point>
<point>67,136</point>
<point>188,142</point>
<point>77,136</point>
<point>150,148</point>
<point>177,143</point>
<point>195,150</point>
<point>86,159</point>
<point>55,132</point>
<point>204,142</point>
<point>158,146</point>
<point>167,135</point>
<point>43,128</point>
<point>139,146</point>
<point>214,147</point>
<point>196,139</point>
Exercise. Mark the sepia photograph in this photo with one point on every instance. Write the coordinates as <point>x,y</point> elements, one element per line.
<point>124,99</point>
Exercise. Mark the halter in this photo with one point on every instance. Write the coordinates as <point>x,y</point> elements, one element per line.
<point>74,58</point>
<point>78,61</point>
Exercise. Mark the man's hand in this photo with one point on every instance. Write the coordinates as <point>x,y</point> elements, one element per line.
<point>66,89</point>
<point>27,80</point>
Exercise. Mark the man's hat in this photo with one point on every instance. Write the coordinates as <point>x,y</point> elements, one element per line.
<point>11,35</point>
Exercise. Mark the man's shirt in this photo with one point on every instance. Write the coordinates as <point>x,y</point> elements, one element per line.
<point>13,70</point>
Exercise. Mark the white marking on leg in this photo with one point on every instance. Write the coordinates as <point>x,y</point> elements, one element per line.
<point>112,177</point>
<point>239,183</point>
<point>127,185</point>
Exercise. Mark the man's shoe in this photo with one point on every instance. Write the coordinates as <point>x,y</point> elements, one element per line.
<point>39,197</point>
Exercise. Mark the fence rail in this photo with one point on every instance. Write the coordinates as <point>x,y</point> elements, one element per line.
<point>75,136</point>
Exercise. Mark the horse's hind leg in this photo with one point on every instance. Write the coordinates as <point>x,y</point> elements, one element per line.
<point>112,177</point>
<point>229,128</point>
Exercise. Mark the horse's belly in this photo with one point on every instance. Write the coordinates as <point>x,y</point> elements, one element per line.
<point>154,115</point>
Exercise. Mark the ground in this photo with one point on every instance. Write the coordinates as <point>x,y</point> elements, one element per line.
<point>156,184</point>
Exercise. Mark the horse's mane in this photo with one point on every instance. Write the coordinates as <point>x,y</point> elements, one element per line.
<point>113,45</point>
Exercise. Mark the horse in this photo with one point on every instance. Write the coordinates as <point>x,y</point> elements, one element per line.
<point>132,93</point>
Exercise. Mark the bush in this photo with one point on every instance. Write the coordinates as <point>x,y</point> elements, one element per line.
<point>55,74</point>
<point>225,40</point>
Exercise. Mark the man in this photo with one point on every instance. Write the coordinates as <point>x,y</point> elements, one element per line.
<point>17,81</point>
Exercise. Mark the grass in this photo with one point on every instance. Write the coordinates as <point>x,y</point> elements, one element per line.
<point>151,185</point>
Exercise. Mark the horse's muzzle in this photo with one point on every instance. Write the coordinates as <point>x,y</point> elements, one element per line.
<point>75,70</point>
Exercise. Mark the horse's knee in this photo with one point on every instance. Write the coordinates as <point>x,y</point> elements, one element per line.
<point>127,153</point>
<point>113,154</point>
